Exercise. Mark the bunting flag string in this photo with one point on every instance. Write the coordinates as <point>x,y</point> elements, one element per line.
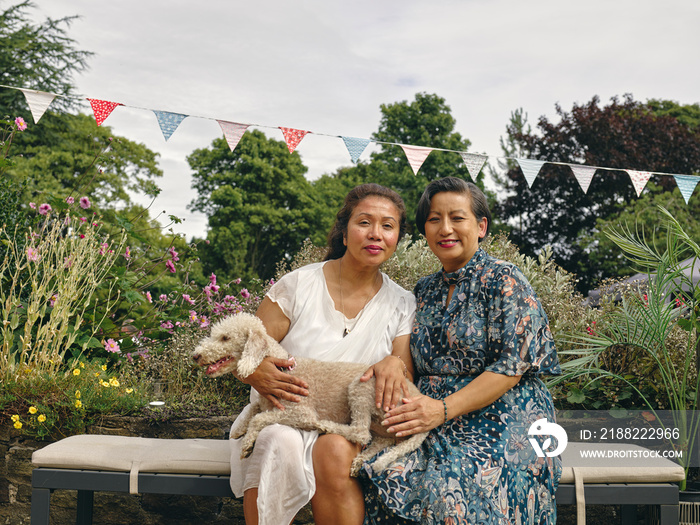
<point>686,185</point>
<point>293,137</point>
<point>639,179</point>
<point>416,156</point>
<point>584,176</point>
<point>102,109</point>
<point>473,162</point>
<point>233,131</point>
<point>355,147</point>
<point>39,101</point>
<point>530,168</point>
<point>169,122</point>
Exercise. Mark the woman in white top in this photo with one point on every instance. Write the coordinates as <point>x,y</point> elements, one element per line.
<point>343,309</point>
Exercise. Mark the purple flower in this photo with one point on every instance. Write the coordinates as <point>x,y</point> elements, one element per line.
<point>245,293</point>
<point>44,208</point>
<point>212,279</point>
<point>32,254</point>
<point>173,254</point>
<point>170,266</point>
<point>21,124</point>
<point>85,203</point>
<point>70,200</point>
<point>112,346</point>
<point>53,300</point>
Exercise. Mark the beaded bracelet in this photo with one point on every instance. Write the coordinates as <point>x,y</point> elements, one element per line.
<point>444,406</point>
<point>405,368</point>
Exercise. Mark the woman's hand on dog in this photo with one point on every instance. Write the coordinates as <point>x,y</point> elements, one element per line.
<point>390,385</point>
<point>416,414</point>
<point>274,385</point>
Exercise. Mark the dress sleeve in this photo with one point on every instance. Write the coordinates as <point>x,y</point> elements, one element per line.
<point>284,291</point>
<point>407,312</point>
<point>518,327</point>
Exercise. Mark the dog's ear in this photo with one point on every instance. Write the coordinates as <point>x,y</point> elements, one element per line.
<point>254,351</point>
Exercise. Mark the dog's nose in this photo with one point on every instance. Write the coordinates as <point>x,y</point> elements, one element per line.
<point>196,357</point>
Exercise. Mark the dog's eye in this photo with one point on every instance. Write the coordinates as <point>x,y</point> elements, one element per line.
<point>224,338</point>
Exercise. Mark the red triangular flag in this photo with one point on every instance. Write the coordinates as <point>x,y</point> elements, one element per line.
<point>416,156</point>
<point>102,109</point>
<point>293,137</point>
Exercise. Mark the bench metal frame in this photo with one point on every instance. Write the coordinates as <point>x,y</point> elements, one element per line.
<point>87,482</point>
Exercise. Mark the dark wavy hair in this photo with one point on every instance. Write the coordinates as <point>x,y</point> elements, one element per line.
<point>477,199</point>
<point>336,247</point>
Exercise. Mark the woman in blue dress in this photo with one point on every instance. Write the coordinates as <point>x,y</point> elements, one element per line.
<point>480,342</point>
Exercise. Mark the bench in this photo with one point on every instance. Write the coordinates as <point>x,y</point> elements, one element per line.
<point>91,463</point>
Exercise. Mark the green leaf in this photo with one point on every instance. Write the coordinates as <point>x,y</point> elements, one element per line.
<point>576,396</point>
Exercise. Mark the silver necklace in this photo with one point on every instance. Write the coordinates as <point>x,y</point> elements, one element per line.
<point>342,303</point>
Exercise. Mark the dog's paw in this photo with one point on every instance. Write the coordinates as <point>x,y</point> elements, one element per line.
<point>355,467</point>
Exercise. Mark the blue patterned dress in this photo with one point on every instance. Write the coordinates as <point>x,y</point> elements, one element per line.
<point>479,468</point>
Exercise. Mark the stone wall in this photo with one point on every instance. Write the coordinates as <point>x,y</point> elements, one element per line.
<point>116,508</point>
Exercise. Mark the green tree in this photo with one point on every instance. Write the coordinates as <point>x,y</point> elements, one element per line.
<point>426,121</point>
<point>624,134</point>
<point>260,206</point>
<point>36,56</point>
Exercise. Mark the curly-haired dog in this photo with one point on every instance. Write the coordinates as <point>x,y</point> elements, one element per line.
<point>339,403</point>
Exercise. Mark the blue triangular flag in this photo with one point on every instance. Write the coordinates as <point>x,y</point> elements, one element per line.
<point>530,169</point>
<point>355,147</point>
<point>686,183</point>
<point>168,122</point>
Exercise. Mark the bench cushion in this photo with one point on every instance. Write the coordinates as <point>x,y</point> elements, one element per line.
<point>622,463</point>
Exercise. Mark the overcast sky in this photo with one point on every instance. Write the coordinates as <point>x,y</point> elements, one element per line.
<point>326,66</point>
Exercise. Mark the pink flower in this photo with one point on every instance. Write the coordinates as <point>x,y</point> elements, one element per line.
<point>148,297</point>
<point>245,293</point>
<point>193,316</point>
<point>21,124</point>
<point>237,281</point>
<point>103,248</point>
<point>187,298</point>
<point>85,203</point>
<point>170,266</point>
<point>167,325</point>
<point>212,279</point>
<point>32,206</point>
<point>163,297</point>
<point>127,253</point>
<point>203,321</point>
<point>67,262</point>
<point>53,300</point>
<point>83,219</point>
<point>44,208</point>
<point>32,254</point>
<point>112,346</point>
<point>173,254</point>
<point>70,200</point>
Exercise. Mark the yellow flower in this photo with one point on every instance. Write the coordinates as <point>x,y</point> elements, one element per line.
<point>14,418</point>
<point>82,365</point>
<point>77,394</point>
<point>129,390</point>
<point>78,403</point>
<point>114,382</point>
<point>18,424</point>
<point>76,372</point>
<point>41,418</point>
<point>104,368</point>
<point>97,374</point>
<point>104,383</point>
<point>32,410</point>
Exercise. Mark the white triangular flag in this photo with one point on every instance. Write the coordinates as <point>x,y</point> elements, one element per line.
<point>38,102</point>
<point>686,184</point>
<point>639,179</point>
<point>473,162</point>
<point>530,169</point>
<point>233,132</point>
<point>416,156</point>
<point>584,176</point>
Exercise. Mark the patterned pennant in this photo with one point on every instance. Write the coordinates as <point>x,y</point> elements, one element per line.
<point>639,179</point>
<point>416,156</point>
<point>473,162</point>
<point>169,122</point>
<point>232,132</point>
<point>38,102</point>
<point>355,147</point>
<point>102,109</point>
<point>584,176</point>
<point>293,137</point>
<point>686,183</point>
<point>530,169</point>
